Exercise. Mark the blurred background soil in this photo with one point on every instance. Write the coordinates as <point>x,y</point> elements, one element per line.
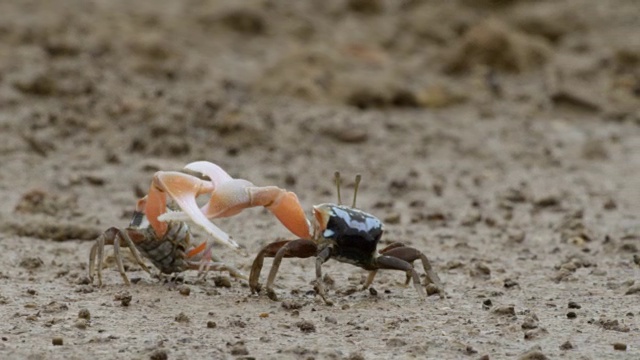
<point>501,137</point>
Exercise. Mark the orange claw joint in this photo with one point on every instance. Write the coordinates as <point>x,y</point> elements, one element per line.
<point>183,189</point>
<point>284,205</point>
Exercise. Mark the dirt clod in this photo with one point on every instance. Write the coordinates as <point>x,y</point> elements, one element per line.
<point>222,281</point>
<point>614,325</point>
<point>81,324</point>
<point>574,305</point>
<point>54,307</point>
<point>567,345</point>
<point>493,43</point>
<point>124,297</point>
<point>396,342</point>
<point>184,290</point>
<point>291,305</point>
<point>239,349</point>
<point>31,263</point>
<point>635,289</point>
<point>534,353</point>
<point>182,318</point>
<point>620,346</point>
<point>306,326</point>
<point>331,320</point>
<point>508,310</point>
<point>159,354</point>
<point>84,314</point>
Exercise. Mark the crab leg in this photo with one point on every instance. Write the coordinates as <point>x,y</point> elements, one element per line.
<point>410,255</point>
<point>113,236</point>
<point>321,258</point>
<point>300,248</point>
<point>394,263</point>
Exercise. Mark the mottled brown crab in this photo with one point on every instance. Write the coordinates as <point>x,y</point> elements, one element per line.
<point>163,236</point>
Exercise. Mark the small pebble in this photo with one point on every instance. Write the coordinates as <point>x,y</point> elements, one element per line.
<point>182,318</point>
<point>184,290</point>
<point>535,333</point>
<point>239,348</point>
<point>373,291</point>
<point>57,341</point>
<point>81,324</point>
<point>291,305</point>
<point>567,345</point>
<point>222,281</point>
<point>159,355</point>
<point>264,315</point>
<point>574,305</point>
<point>238,323</point>
<point>572,315</point>
<point>84,314</point>
<point>620,346</point>
<point>356,356</point>
<point>508,283</point>
<point>124,297</point>
<point>211,324</point>
<point>487,304</point>
<point>396,342</point>
<point>433,289</point>
<point>635,289</point>
<point>306,326</point>
<point>505,310</point>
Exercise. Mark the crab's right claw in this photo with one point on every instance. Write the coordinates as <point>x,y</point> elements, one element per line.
<point>183,189</point>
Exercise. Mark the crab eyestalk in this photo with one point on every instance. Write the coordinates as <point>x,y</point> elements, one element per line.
<point>337,181</point>
<point>355,191</point>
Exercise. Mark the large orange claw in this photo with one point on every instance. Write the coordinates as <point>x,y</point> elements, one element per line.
<point>230,196</point>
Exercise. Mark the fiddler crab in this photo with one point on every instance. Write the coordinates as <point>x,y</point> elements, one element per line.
<point>348,235</point>
<point>341,232</point>
<point>163,236</point>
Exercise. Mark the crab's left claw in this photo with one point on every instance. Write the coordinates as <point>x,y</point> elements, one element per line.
<point>228,197</point>
<point>183,189</point>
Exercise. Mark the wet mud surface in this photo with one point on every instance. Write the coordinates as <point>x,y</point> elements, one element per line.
<point>502,138</point>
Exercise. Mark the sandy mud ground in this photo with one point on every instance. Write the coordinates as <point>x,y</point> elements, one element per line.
<point>502,138</point>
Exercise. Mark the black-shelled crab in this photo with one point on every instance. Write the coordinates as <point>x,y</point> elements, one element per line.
<point>348,235</point>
